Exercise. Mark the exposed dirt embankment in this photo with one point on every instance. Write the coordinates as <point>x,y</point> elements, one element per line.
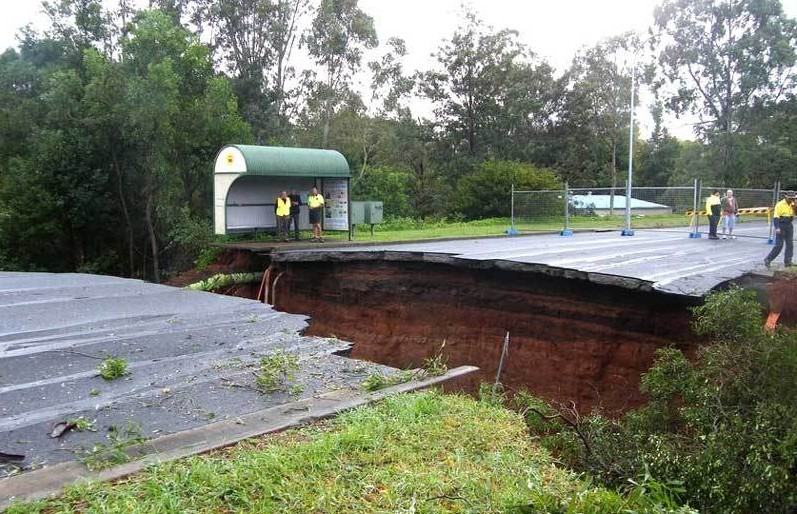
<point>228,261</point>
<point>570,339</point>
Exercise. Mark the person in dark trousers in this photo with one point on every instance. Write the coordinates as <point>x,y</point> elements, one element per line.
<point>296,208</point>
<point>784,231</point>
<point>282,210</point>
<point>713,209</point>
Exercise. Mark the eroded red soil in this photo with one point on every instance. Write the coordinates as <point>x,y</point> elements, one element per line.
<point>570,339</point>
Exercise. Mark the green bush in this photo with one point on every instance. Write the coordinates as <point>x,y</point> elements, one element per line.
<point>190,239</point>
<point>113,368</point>
<point>486,192</point>
<point>391,186</point>
<point>723,424</point>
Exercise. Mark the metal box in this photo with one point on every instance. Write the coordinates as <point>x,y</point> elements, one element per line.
<point>374,213</point>
<point>358,213</point>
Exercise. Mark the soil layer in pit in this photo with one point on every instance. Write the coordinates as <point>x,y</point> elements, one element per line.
<point>570,339</point>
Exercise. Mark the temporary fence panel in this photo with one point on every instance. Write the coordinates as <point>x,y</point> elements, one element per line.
<point>538,211</point>
<point>662,207</point>
<point>755,210</point>
<point>651,207</point>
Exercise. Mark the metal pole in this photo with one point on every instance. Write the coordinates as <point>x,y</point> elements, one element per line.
<point>512,202</point>
<point>775,196</point>
<point>512,231</point>
<point>566,231</point>
<point>627,231</point>
<point>501,362</point>
<point>348,207</point>
<point>695,234</point>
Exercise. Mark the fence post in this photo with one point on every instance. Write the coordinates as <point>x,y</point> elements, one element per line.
<point>775,196</point>
<point>566,230</point>
<point>695,234</point>
<point>512,214</point>
<point>512,231</point>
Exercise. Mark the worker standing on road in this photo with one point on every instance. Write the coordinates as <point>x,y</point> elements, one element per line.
<point>282,209</point>
<point>713,208</point>
<point>784,231</point>
<point>730,209</point>
<point>296,208</point>
<point>316,204</point>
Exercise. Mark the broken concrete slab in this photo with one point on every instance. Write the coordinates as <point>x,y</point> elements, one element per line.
<point>665,260</point>
<point>51,480</point>
<point>191,357</point>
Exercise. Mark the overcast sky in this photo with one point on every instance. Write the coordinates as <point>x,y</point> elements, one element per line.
<point>554,29</point>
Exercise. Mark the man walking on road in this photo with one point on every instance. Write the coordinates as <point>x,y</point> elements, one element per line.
<point>282,209</point>
<point>784,231</point>
<point>713,208</point>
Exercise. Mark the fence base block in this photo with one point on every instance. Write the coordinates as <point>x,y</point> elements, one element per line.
<point>695,235</point>
<point>627,232</point>
<point>566,232</point>
<point>512,231</point>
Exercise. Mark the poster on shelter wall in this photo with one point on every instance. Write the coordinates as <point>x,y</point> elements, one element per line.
<point>336,198</point>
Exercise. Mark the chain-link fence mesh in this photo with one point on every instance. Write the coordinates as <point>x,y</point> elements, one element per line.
<point>538,211</point>
<point>753,220</point>
<point>679,208</point>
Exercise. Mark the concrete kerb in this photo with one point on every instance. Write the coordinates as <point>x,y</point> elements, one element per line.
<point>49,481</point>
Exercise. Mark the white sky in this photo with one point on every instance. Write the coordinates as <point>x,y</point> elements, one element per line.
<point>554,29</point>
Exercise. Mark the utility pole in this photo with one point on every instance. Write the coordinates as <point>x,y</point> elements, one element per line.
<point>628,231</point>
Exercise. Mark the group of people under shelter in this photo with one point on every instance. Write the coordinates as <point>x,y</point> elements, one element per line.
<point>726,209</point>
<point>287,208</point>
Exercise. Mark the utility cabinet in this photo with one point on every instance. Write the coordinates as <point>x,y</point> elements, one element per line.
<point>366,213</point>
<point>374,213</point>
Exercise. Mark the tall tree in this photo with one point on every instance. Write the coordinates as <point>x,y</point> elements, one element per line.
<point>723,58</point>
<point>597,105</point>
<point>487,90</point>
<point>108,150</point>
<point>339,34</point>
<point>658,155</point>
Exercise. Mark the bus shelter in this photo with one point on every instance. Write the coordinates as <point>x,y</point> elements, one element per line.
<point>247,179</point>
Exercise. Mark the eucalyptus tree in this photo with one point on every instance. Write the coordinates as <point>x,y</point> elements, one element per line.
<point>490,93</point>
<point>339,34</point>
<point>720,60</point>
<point>596,105</point>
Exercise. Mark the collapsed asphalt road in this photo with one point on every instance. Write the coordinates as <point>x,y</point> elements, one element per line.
<point>191,357</point>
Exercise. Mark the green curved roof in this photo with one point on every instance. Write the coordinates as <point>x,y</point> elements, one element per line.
<point>293,162</point>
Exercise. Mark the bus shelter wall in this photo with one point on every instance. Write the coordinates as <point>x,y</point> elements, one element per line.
<point>250,201</point>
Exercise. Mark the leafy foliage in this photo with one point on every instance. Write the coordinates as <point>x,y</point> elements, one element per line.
<point>485,192</point>
<point>723,425</point>
<point>276,370</point>
<point>377,381</point>
<point>114,452</point>
<point>113,368</point>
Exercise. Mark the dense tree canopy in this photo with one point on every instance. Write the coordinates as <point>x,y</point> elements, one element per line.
<point>110,117</point>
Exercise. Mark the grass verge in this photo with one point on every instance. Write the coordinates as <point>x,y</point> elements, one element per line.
<point>422,453</point>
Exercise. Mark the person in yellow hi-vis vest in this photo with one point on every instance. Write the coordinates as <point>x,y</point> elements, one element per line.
<point>713,206</point>
<point>282,209</point>
<point>784,231</point>
<point>315,202</point>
